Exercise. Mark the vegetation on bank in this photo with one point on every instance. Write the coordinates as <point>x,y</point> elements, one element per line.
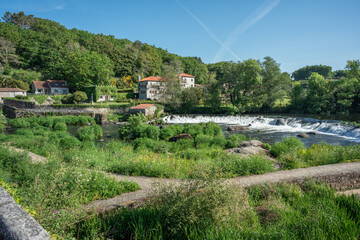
<point>197,210</point>
<point>209,210</point>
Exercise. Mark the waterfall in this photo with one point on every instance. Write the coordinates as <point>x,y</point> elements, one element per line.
<point>275,124</point>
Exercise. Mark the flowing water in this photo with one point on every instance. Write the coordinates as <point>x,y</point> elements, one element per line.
<point>271,129</point>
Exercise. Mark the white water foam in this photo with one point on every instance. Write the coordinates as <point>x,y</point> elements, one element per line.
<point>273,124</point>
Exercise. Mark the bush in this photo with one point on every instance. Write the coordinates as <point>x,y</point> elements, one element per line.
<point>145,131</point>
<point>203,141</point>
<point>219,141</point>
<point>68,99</point>
<point>69,142</point>
<point>194,130</point>
<point>79,96</point>
<point>182,144</point>
<point>137,119</point>
<point>234,140</point>
<point>167,133</point>
<point>144,143</point>
<point>212,129</point>
<point>89,133</point>
<point>124,131</point>
<point>24,132</point>
<point>287,145</point>
<point>60,126</point>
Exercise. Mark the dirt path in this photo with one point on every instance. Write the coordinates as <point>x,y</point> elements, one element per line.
<point>34,157</point>
<point>333,171</point>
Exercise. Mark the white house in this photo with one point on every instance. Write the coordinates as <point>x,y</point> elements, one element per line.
<point>153,87</point>
<point>51,87</point>
<point>186,80</point>
<point>11,92</point>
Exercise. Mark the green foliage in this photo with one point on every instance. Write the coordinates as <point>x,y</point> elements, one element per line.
<point>306,72</point>
<point>287,145</point>
<point>97,91</point>
<point>234,140</point>
<point>79,97</point>
<point>137,119</point>
<point>2,121</point>
<point>89,133</point>
<point>145,131</point>
<point>60,126</point>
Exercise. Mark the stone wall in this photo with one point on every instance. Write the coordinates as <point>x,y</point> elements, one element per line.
<point>16,223</point>
<point>18,104</point>
<point>12,112</point>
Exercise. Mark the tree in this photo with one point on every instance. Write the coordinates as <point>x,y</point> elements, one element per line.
<point>20,19</point>
<point>274,83</point>
<point>84,68</point>
<point>318,96</point>
<point>8,54</point>
<point>212,96</point>
<point>297,97</point>
<point>305,72</point>
<point>79,97</point>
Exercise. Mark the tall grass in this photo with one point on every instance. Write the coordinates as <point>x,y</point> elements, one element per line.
<point>199,210</point>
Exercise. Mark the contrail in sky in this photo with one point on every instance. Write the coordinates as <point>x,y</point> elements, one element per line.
<point>256,16</point>
<point>223,46</point>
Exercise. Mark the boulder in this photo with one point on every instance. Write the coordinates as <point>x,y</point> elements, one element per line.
<point>237,128</point>
<point>103,119</point>
<point>302,135</point>
<point>180,136</point>
<point>248,148</point>
<point>311,133</point>
<point>280,122</point>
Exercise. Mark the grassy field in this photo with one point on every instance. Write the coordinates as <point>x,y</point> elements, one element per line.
<point>54,192</point>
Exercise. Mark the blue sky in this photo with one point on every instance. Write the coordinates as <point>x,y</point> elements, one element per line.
<point>295,33</point>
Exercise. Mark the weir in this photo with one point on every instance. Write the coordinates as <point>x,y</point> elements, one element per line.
<point>276,124</point>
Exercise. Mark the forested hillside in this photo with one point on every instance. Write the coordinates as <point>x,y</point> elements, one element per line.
<point>43,46</point>
<point>32,48</point>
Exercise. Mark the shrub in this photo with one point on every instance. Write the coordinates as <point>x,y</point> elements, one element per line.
<point>68,99</point>
<point>194,130</point>
<point>79,96</point>
<point>182,144</point>
<point>287,145</point>
<point>24,132</point>
<point>144,143</point>
<point>60,126</point>
<point>89,133</point>
<point>219,141</point>
<point>152,132</point>
<point>19,123</point>
<point>124,131</point>
<point>203,141</point>
<point>137,119</point>
<point>212,129</point>
<point>69,142</point>
<point>234,140</point>
<point>167,132</point>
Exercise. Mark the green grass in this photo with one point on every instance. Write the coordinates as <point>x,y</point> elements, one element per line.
<point>213,211</point>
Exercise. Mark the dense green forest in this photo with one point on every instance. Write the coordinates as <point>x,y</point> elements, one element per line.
<point>32,48</point>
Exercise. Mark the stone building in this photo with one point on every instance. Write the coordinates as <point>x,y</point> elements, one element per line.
<point>146,109</point>
<point>50,87</point>
<point>153,87</point>
<point>11,92</point>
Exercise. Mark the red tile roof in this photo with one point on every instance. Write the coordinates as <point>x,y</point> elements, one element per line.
<point>40,84</point>
<point>11,90</point>
<point>142,106</point>
<point>52,83</point>
<point>186,75</point>
<point>153,79</point>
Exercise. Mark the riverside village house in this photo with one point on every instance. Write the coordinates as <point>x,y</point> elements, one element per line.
<point>152,88</point>
<point>50,87</point>
<point>11,92</point>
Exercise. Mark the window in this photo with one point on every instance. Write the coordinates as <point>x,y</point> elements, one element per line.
<point>63,84</point>
<point>56,84</point>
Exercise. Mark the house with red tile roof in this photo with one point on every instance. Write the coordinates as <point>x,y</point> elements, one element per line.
<point>51,87</point>
<point>146,109</point>
<point>153,87</point>
<point>11,92</point>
